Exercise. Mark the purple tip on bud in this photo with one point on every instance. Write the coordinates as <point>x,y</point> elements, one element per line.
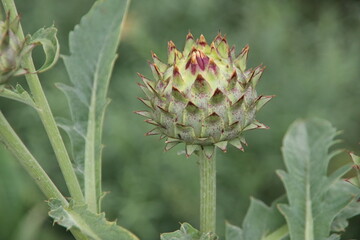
<point>200,79</point>
<point>189,36</point>
<point>234,75</point>
<point>176,71</point>
<point>171,46</point>
<point>191,104</point>
<point>154,56</point>
<point>140,75</point>
<point>218,38</point>
<point>245,51</point>
<point>212,66</point>
<point>202,60</point>
<point>217,92</point>
<point>202,41</point>
<point>199,59</point>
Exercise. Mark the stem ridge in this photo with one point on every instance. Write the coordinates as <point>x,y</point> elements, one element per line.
<point>207,193</point>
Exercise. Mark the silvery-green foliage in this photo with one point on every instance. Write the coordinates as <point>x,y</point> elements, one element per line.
<point>315,198</point>
<point>92,225</point>
<point>93,45</point>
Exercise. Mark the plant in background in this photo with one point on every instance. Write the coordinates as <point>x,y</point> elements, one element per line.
<point>203,97</point>
<point>93,46</point>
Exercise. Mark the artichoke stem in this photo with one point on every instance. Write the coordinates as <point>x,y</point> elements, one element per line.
<point>207,193</point>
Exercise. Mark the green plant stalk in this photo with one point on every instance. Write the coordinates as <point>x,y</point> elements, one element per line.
<point>27,160</point>
<point>278,234</point>
<point>46,116</point>
<point>207,193</point>
<point>14,144</point>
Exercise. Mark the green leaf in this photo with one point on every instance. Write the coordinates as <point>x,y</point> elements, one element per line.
<point>233,232</point>
<point>187,232</point>
<point>260,223</point>
<point>256,220</point>
<point>314,198</point>
<point>93,225</point>
<point>46,37</point>
<point>18,94</point>
<point>340,222</point>
<point>93,46</point>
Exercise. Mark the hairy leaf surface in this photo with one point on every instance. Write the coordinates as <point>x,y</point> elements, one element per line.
<point>314,198</point>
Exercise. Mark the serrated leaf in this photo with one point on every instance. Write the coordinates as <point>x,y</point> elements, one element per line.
<point>46,37</point>
<point>92,225</point>
<point>18,94</point>
<point>93,45</point>
<point>314,198</point>
<point>187,232</point>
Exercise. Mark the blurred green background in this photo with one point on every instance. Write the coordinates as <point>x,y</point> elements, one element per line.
<point>312,53</point>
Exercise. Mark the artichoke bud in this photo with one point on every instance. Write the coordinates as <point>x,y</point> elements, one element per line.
<point>203,96</point>
<point>12,50</point>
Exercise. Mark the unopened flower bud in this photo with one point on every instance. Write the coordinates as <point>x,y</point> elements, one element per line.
<point>203,96</point>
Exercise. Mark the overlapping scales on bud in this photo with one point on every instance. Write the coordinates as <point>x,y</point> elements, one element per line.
<point>203,96</point>
<point>12,50</point>
<point>355,180</point>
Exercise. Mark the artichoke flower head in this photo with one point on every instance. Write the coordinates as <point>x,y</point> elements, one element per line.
<point>202,96</point>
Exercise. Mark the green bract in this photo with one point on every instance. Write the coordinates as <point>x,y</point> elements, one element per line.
<point>203,96</point>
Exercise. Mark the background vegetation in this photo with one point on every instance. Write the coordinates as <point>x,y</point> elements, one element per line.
<point>312,53</point>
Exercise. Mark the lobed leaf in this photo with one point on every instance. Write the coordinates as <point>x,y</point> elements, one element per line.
<point>315,199</point>
<point>93,45</point>
<point>93,225</point>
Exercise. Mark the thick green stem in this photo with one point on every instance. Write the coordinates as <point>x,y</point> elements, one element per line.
<point>207,193</point>
<point>19,150</point>
<point>47,117</point>
<point>27,160</point>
